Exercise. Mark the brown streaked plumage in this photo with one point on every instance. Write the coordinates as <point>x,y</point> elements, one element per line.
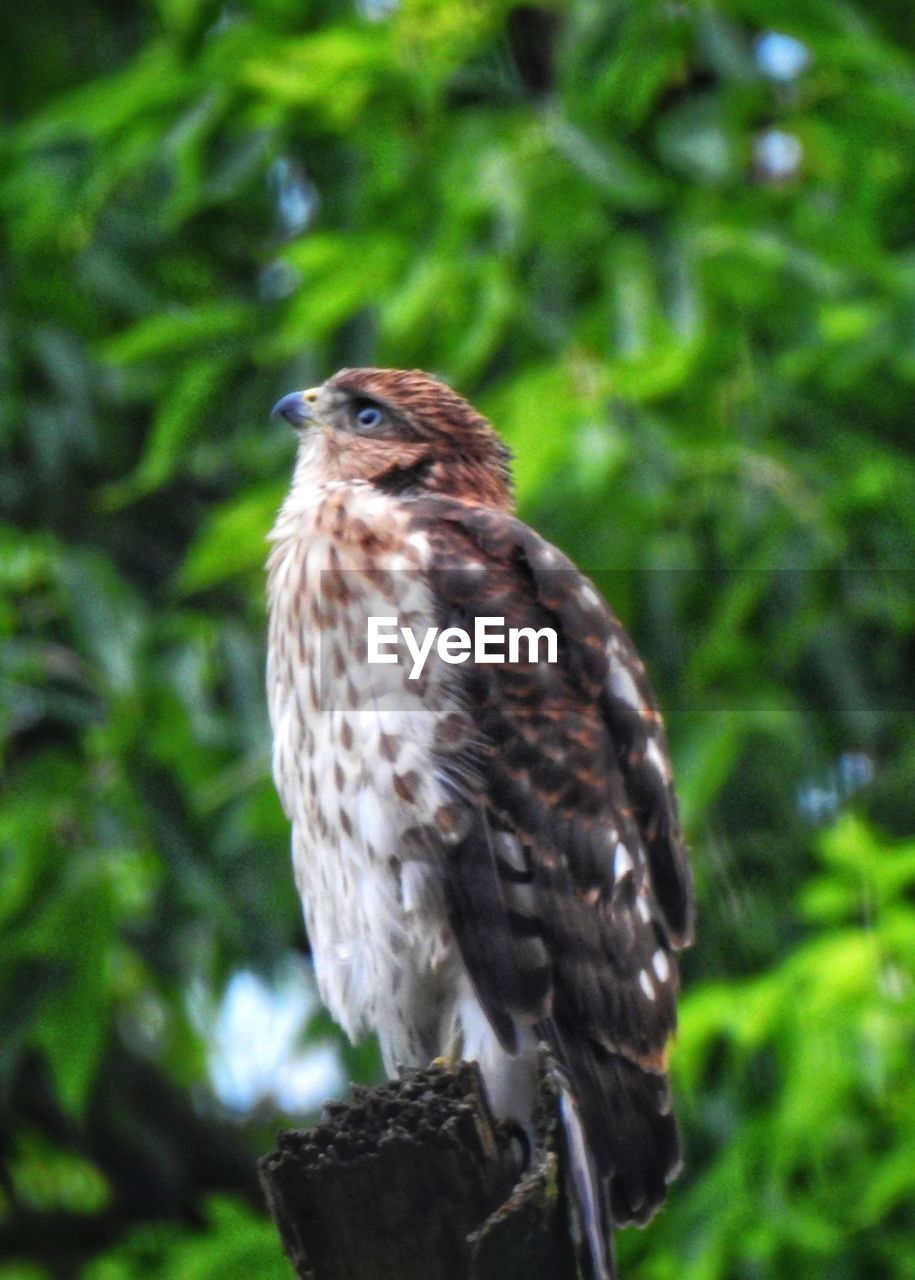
<point>489,855</point>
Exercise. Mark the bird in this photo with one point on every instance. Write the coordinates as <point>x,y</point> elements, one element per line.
<point>489,853</point>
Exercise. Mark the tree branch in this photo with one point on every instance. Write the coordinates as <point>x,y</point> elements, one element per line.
<point>414,1180</point>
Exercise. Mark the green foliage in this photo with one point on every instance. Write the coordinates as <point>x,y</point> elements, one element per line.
<point>704,364</point>
<point>813,1105</point>
<point>234,1245</point>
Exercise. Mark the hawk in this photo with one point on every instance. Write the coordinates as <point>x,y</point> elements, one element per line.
<point>489,854</point>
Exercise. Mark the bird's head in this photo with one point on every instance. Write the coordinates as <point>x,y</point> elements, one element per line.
<point>401,430</point>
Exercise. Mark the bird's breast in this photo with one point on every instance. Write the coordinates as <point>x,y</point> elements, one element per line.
<point>353,748</point>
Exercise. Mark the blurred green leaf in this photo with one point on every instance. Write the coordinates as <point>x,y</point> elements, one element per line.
<point>233,540</point>
<point>179,332</point>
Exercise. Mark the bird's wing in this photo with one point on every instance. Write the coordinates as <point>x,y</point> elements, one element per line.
<point>569,887</point>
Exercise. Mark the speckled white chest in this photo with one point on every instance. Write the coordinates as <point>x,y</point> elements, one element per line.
<point>353,764</point>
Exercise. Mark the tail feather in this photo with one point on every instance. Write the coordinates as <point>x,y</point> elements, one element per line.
<point>621,1140</point>
<point>591,1209</point>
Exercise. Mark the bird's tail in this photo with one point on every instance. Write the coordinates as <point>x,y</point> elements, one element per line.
<point>594,1225</point>
<point>621,1142</point>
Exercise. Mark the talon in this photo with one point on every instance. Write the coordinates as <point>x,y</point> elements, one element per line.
<point>520,1146</point>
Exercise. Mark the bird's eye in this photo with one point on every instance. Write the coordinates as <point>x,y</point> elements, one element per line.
<point>368,415</point>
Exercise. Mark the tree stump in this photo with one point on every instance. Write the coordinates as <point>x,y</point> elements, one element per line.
<point>414,1180</point>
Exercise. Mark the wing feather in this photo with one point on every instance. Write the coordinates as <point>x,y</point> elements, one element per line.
<point>571,890</point>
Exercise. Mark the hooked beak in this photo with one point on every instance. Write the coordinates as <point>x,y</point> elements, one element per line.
<point>297,408</point>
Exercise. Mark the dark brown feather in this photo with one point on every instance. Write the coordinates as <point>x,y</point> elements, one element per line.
<point>577,776</point>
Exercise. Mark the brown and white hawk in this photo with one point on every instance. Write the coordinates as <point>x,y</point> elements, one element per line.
<point>489,855</point>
